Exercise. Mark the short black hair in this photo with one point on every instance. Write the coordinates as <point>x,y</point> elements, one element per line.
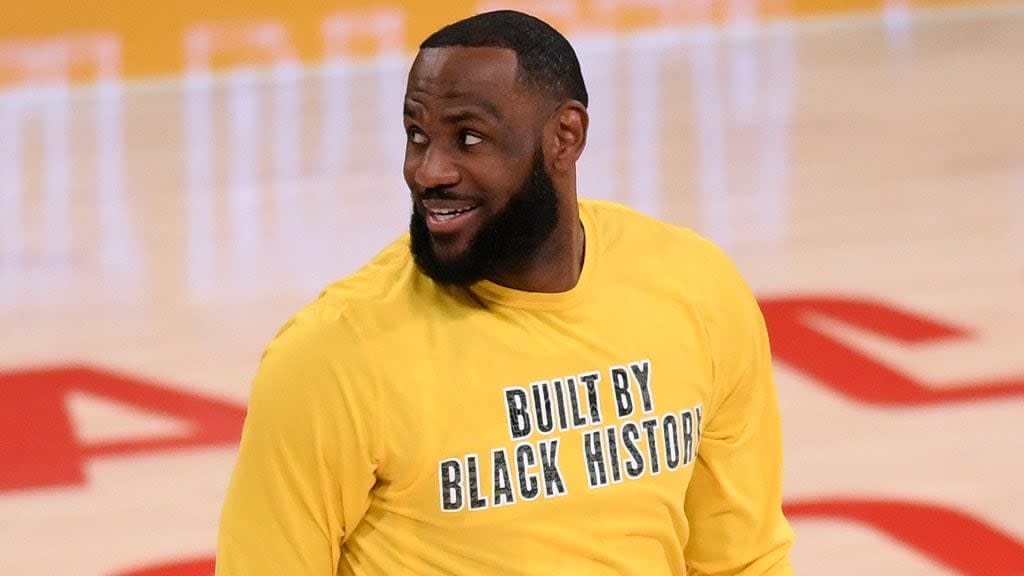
<point>547,61</point>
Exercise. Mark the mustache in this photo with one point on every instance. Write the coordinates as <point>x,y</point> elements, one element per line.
<point>445,193</point>
<point>438,193</point>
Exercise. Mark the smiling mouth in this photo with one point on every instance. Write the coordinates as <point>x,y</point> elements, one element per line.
<point>444,215</point>
<point>449,214</point>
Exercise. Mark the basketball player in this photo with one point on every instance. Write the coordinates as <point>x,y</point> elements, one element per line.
<point>526,384</point>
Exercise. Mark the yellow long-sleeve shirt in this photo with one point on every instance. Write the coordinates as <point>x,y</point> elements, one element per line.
<point>628,426</point>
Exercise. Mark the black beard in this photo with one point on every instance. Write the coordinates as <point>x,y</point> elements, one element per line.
<point>509,240</point>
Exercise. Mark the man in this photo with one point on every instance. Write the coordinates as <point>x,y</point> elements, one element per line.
<point>525,384</point>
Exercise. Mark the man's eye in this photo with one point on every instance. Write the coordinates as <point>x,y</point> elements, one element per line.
<point>469,139</point>
<point>417,137</point>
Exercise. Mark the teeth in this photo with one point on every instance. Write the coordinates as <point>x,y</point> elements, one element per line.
<point>447,213</point>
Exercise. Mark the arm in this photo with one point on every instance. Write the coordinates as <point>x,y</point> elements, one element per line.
<point>304,470</point>
<point>734,500</point>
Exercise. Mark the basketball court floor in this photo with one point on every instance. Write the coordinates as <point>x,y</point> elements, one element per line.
<point>866,173</point>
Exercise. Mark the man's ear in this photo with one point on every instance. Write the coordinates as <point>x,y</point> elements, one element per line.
<point>569,125</point>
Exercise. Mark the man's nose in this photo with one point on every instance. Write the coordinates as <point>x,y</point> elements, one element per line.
<point>436,169</point>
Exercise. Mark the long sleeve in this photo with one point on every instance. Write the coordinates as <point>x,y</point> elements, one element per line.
<point>304,468</point>
<point>734,500</point>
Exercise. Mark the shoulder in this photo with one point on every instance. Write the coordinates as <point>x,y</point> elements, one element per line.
<point>347,311</point>
<point>620,226</point>
<point>631,238</point>
<point>321,348</point>
<point>376,283</point>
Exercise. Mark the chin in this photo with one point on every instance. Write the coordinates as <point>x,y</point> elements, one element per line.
<point>448,254</point>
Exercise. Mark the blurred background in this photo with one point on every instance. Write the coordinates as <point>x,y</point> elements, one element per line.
<point>176,179</point>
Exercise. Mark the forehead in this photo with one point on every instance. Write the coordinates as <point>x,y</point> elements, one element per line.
<point>463,75</point>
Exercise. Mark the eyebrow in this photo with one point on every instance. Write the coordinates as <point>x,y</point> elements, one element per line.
<point>475,110</point>
<point>488,114</point>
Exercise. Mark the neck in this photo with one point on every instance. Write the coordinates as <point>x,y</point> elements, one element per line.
<point>557,266</point>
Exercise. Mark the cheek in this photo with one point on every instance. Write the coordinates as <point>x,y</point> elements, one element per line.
<point>498,179</point>
<point>409,166</point>
<point>505,189</point>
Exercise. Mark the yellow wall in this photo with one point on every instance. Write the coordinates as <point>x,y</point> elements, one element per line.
<point>151,35</point>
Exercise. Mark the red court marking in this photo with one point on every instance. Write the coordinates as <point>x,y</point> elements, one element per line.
<point>201,567</point>
<point>856,375</point>
<point>40,448</point>
<point>949,537</point>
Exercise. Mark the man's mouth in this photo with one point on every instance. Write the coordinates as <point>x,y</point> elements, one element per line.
<point>446,216</point>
